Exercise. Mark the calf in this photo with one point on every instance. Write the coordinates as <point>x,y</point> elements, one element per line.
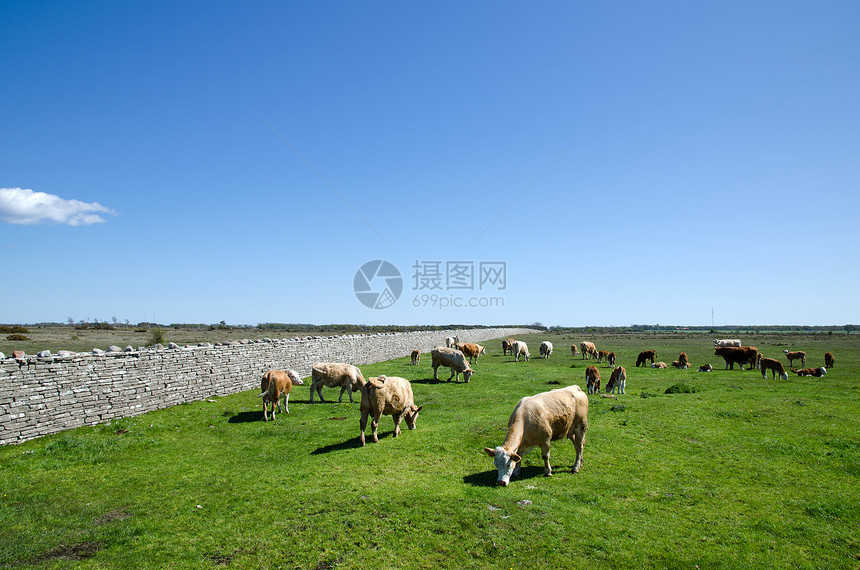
<point>682,359</point>
<point>545,349</point>
<point>573,349</point>
<point>618,379</point>
<point>450,358</point>
<point>817,372</point>
<point>592,379</point>
<point>706,368</point>
<point>602,355</point>
<point>658,365</point>
<point>737,355</point>
<point>507,344</point>
<point>273,385</point>
<point>610,359</point>
<point>798,355</point>
<point>775,367</point>
<point>646,355</point>
<point>416,357</point>
<point>332,375</point>
<point>390,396</point>
<point>538,420</point>
<point>828,360</point>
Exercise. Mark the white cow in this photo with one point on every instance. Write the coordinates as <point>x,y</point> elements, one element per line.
<point>538,420</point>
<point>545,349</point>
<point>521,349</point>
<point>727,342</point>
<point>332,375</point>
<point>450,358</point>
<point>390,396</point>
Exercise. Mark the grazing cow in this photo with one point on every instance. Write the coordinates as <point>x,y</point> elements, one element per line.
<point>538,420</point>
<point>592,379</point>
<point>828,360</point>
<point>727,342</point>
<point>588,349</point>
<point>545,349</point>
<point>798,355</point>
<point>706,368</point>
<point>610,359</point>
<point>521,349</point>
<point>775,367</point>
<point>618,379</point>
<point>332,375</point>
<point>390,396</point>
<point>450,358</point>
<point>450,341</point>
<point>740,355</point>
<point>416,357</point>
<point>602,355</point>
<point>817,372</point>
<point>471,350</point>
<point>507,344</point>
<point>573,349</point>
<point>273,385</point>
<point>646,355</point>
<point>660,365</point>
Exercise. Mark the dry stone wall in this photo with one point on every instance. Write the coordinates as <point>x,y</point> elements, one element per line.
<point>40,395</point>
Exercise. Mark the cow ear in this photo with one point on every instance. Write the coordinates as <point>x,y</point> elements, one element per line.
<point>490,452</point>
<point>415,410</point>
<point>516,457</point>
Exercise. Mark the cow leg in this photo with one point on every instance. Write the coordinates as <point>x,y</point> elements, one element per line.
<point>374,426</point>
<point>544,448</point>
<point>349,393</point>
<point>342,390</point>
<point>362,424</point>
<point>287,402</point>
<point>436,372</point>
<point>319,392</point>
<point>397,418</point>
<point>578,440</point>
<point>265,411</point>
<point>452,375</point>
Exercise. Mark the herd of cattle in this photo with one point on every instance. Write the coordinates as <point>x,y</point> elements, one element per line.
<point>536,420</point>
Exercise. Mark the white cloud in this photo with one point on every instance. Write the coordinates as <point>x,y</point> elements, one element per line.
<point>23,206</point>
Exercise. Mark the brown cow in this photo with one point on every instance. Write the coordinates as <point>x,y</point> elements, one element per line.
<point>592,379</point>
<point>273,385</point>
<point>685,363</point>
<point>828,360</point>
<point>798,355</point>
<point>740,355</point>
<point>646,355</point>
<point>610,359</point>
<point>775,367</point>
<point>507,344</point>
<point>471,350</point>
<point>602,355</point>
<point>416,357</point>
<point>573,349</point>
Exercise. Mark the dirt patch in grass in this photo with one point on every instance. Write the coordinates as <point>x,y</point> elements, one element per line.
<point>114,515</point>
<point>80,551</point>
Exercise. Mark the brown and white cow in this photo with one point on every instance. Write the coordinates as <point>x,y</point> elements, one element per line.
<point>618,380</point>
<point>592,379</point>
<point>817,372</point>
<point>602,355</point>
<point>390,396</point>
<point>775,367</point>
<point>646,355</point>
<point>273,385</point>
<point>507,344</point>
<point>797,355</point>
<point>610,359</point>
<point>537,421</point>
<point>545,349</point>
<point>706,368</point>
<point>660,365</point>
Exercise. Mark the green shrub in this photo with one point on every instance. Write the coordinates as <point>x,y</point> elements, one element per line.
<point>17,337</point>
<point>156,335</point>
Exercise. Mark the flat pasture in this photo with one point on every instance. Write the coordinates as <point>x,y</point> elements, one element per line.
<point>726,470</point>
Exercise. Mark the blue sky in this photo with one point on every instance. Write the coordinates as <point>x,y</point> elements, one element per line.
<point>627,162</point>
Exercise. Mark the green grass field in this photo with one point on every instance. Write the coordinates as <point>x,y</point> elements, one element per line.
<point>740,473</point>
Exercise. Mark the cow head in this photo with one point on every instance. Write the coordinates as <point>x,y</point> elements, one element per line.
<point>467,374</point>
<point>505,462</point>
<point>412,416</point>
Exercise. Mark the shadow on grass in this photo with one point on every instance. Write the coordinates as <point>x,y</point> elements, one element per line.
<point>351,443</point>
<point>489,478</point>
<point>245,417</point>
<point>434,381</point>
